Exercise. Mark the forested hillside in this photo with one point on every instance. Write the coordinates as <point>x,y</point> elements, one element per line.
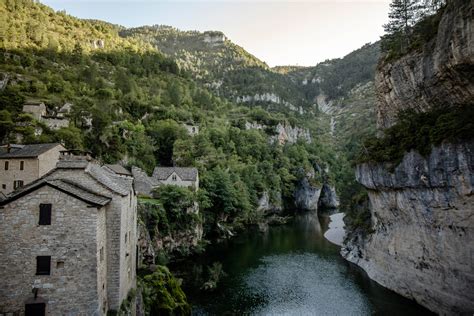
<point>130,103</point>
<point>226,68</point>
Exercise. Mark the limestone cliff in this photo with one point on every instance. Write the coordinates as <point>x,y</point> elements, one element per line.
<point>438,75</point>
<point>422,212</point>
<point>423,228</point>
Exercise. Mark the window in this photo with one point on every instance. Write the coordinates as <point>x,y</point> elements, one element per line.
<point>174,177</point>
<point>6,165</point>
<point>45,214</point>
<point>36,309</point>
<point>125,237</point>
<point>43,265</point>
<point>22,165</point>
<point>60,264</point>
<point>17,184</point>
<point>4,186</point>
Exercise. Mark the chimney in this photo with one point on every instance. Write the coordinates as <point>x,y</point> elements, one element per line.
<point>75,155</point>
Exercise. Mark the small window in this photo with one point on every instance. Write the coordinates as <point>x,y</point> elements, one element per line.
<point>4,186</point>
<point>17,184</point>
<point>43,265</point>
<point>174,177</point>
<point>60,264</point>
<point>125,237</point>
<point>22,165</point>
<point>45,214</point>
<point>6,165</point>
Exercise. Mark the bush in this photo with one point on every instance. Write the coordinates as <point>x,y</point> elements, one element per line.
<point>162,294</point>
<point>419,131</point>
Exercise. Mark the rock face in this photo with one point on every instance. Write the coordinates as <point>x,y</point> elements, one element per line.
<point>421,243</point>
<point>328,198</point>
<point>439,75</point>
<point>307,196</point>
<point>423,220</point>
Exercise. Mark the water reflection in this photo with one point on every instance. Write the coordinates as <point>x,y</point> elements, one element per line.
<point>291,270</point>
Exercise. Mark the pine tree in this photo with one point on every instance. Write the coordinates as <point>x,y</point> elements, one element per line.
<point>402,16</point>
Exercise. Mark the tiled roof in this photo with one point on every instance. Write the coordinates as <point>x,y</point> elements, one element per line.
<point>65,186</point>
<point>118,169</point>
<point>186,174</point>
<point>110,180</point>
<point>26,151</point>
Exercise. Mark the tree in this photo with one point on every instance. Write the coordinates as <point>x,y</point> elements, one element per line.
<point>402,16</point>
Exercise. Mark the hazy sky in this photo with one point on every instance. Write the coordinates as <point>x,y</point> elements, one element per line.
<point>280,32</point>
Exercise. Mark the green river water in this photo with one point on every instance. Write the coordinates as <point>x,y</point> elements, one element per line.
<point>290,270</point>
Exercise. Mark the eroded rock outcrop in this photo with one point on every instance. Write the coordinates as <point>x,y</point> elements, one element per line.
<point>439,75</point>
<point>423,228</point>
<point>421,241</point>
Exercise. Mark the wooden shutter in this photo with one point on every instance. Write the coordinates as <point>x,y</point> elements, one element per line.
<point>45,214</point>
<point>43,265</point>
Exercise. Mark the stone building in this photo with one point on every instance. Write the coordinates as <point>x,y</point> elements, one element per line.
<point>183,177</point>
<point>68,241</point>
<point>22,164</point>
<point>54,121</point>
<point>36,109</point>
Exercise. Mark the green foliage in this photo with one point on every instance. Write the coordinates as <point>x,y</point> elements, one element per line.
<point>358,217</point>
<point>162,294</point>
<point>337,77</point>
<point>411,26</point>
<point>420,131</point>
<point>215,272</point>
<point>170,212</point>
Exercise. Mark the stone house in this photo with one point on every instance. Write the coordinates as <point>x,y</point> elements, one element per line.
<point>183,177</point>
<point>68,242</point>
<point>36,109</point>
<point>22,164</point>
<point>39,111</point>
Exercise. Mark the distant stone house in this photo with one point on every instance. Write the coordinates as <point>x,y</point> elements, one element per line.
<point>183,177</point>
<point>36,109</point>
<point>68,242</point>
<point>22,164</point>
<point>39,111</point>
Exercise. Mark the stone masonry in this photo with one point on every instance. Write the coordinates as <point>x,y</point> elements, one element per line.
<point>91,241</point>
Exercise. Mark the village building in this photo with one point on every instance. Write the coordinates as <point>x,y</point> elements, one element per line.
<point>22,164</point>
<point>36,109</point>
<point>40,113</point>
<point>179,176</point>
<point>68,241</point>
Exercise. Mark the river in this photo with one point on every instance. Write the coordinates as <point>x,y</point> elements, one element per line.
<point>290,270</point>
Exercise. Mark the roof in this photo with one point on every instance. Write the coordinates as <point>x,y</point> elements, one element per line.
<point>62,185</point>
<point>186,174</point>
<point>109,179</point>
<point>118,169</point>
<point>26,151</point>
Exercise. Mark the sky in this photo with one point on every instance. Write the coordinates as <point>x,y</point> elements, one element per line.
<point>279,32</point>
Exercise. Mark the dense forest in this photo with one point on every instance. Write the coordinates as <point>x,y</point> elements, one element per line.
<point>129,105</point>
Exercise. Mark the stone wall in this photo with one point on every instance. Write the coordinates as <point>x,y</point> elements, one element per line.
<point>48,160</point>
<point>121,219</point>
<point>33,168</point>
<point>72,287</point>
<point>29,173</point>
